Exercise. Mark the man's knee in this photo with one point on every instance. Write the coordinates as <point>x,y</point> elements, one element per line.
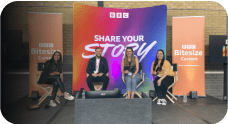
<point>89,79</point>
<point>106,78</point>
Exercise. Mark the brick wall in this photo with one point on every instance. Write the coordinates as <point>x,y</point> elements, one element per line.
<point>215,16</point>
<point>14,17</point>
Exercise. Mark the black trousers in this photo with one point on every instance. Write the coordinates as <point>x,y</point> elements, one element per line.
<point>90,79</point>
<point>56,81</point>
<point>162,89</point>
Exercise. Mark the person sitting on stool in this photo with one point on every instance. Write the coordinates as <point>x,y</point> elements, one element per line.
<point>51,75</point>
<point>130,67</point>
<point>97,69</point>
<point>164,76</point>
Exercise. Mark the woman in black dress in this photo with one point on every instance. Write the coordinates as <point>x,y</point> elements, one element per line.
<point>51,75</point>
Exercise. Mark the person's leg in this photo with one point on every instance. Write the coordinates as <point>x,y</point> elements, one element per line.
<point>157,88</point>
<point>57,80</point>
<point>135,80</point>
<point>105,80</point>
<point>166,82</point>
<point>89,81</point>
<point>127,79</point>
<point>60,83</point>
<point>55,89</point>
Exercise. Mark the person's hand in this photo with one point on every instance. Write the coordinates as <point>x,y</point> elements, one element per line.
<point>56,73</point>
<point>94,74</point>
<point>126,71</point>
<point>132,76</point>
<point>159,82</point>
<point>154,73</point>
<point>100,74</point>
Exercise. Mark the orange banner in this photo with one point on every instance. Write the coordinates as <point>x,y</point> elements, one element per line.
<point>188,52</point>
<point>45,37</point>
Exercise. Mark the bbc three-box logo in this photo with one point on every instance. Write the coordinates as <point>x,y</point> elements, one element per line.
<point>225,50</point>
<point>119,15</point>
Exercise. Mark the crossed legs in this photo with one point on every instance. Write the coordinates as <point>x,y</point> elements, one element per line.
<point>57,83</point>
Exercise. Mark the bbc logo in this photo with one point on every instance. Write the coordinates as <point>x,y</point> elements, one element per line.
<point>119,15</point>
<point>45,44</point>
<point>188,46</point>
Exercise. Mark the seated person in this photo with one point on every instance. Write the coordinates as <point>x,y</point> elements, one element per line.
<point>164,76</point>
<point>130,67</point>
<point>51,75</point>
<point>97,69</point>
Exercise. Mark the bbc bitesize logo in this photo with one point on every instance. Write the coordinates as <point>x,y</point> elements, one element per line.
<point>188,46</point>
<point>119,15</point>
<point>45,44</point>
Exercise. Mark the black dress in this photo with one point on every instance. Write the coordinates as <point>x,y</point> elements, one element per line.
<point>47,70</point>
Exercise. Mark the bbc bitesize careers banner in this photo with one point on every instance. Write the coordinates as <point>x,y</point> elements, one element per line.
<point>143,29</point>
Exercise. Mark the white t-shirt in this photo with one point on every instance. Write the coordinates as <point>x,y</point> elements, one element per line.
<point>97,65</point>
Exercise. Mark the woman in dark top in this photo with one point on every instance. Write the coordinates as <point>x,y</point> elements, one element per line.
<point>130,67</point>
<point>51,75</point>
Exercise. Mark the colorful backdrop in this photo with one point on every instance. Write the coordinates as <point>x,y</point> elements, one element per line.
<point>144,29</point>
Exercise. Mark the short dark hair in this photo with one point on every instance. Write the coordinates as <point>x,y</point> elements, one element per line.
<point>98,48</point>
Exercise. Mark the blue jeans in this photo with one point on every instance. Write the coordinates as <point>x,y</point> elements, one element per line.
<point>131,83</point>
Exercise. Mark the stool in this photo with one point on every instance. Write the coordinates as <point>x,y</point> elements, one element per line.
<point>97,85</point>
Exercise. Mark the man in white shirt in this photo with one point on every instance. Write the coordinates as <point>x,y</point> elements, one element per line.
<point>97,69</point>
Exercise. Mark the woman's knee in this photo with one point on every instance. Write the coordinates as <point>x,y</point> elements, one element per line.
<point>127,78</point>
<point>136,79</point>
<point>55,83</point>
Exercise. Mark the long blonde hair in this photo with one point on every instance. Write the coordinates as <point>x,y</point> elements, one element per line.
<point>126,63</point>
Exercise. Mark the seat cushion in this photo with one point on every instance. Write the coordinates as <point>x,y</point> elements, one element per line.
<point>97,85</point>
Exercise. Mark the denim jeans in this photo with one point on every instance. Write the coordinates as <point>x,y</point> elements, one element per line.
<point>132,83</point>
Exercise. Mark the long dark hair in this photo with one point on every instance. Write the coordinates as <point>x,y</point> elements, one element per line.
<point>60,62</point>
<point>126,63</point>
<point>156,61</point>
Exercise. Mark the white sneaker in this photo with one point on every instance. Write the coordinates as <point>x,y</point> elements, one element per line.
<point>159,101</point>
<point>69,97</point>
<point>163,102</point>
<point>52,103</point>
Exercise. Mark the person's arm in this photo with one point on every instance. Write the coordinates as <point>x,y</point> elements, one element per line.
<point>88,70</point>
<point>59,71</point>
<point>137,66</point>
<point>106,70</point>
<point>46,69</point>
<point>152,71</point>
<point>167,67</point>
<point>122,66</point>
